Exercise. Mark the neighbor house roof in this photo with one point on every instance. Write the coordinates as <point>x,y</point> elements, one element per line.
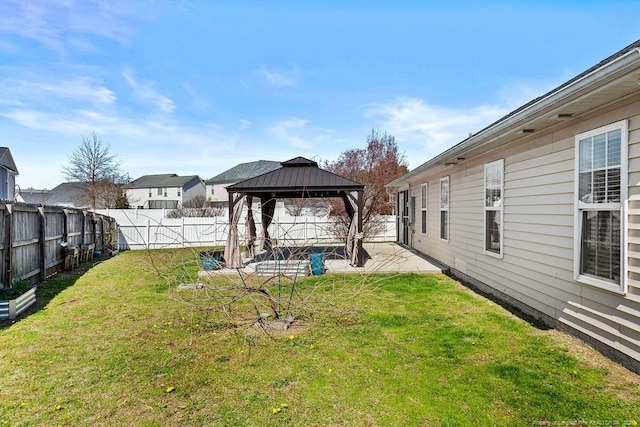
<point>610,80</point>
<point>69,194</point>
<point>6,159</point>
<point>244,171</point>
<point>72,194</point>
<point>296,177</point>
<point>34,196</point>
<point>163,180</point>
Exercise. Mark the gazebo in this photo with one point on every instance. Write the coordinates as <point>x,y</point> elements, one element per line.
<point>297,178</point>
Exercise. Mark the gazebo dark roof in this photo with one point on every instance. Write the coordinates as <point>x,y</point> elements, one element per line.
<point>298,177</point>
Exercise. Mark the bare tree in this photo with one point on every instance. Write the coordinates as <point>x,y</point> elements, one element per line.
<point>374,166</point>
<point>112,192</point>
<point>97,171</point>
<point>298,206</point>
<point>197,206</point>
<point>295,207</point>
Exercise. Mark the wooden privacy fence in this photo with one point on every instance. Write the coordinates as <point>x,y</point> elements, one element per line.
<point>32,238</point>
<point>148,229</point>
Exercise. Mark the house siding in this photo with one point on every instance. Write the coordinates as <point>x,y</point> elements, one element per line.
<point>536,270</point>
<point>218,192</point>
<point>4,183</point>
<point>140,196</point>
<point>197,189</point>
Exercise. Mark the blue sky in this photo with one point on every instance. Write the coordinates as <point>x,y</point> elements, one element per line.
<point>195,87</point>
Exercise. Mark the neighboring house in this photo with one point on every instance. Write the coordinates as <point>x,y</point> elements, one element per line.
<point>216,186</point>
<point>168,191</point>
<point>8,173</point>
<point>542,208</point>
<point>67,194</point>
<point>32,196</point>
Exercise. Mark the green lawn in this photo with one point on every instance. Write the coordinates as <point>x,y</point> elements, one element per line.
<point>120,345</point>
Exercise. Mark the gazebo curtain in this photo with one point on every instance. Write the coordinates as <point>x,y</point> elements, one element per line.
<point>353,205</point>
<point>353,237</point>
<point>232,250</point>
<point>250,225</point>
<point>268,210</point>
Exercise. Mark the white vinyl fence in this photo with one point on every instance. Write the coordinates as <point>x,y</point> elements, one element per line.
<point>150,229</point>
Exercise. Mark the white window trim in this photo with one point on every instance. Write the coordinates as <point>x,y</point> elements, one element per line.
<point>424,206</point>
<point>500,210</point>
<point>579,206</point>
<point>445,209</point>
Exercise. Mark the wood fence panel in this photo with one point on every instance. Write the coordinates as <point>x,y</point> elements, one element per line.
<point>75,227</point>
<point>89,230</point>
<point>54,235</point>
<point>99,233</point>
<point>31,239</point>
<point>25,242</point>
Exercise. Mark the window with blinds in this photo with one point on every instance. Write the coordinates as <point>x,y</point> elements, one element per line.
<point>423,208</point>
<point>444,208</point>
<point>601,190</point>
<point>493,189</point>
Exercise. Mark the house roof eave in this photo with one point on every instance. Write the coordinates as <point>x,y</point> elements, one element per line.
<point>6,160</point>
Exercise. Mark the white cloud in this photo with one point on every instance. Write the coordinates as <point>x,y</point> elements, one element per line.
<point>107,19</point>
<point>199,102</point>
<point>516,94</point>
<point>76,89</point>
<point>28,19</point>
<point>59,24</point>
<point>436,128</point>
<point>53,122</point>
<point>245,124</point>
<point>278,77</point>
<point>296,133</point>
<point>145,91</point>
<point>142,131</point>
<point>145,146</point>
<point>284,131</point>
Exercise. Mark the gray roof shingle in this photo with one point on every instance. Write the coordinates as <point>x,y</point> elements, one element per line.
<point>65,194</point>
<point>244,171</point>
<point>162,180</point>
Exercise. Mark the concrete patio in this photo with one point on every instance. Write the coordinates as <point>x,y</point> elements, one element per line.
<point>381,257</point>
<point>385,257</point>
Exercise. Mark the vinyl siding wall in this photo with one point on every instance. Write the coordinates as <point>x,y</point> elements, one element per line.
<point>198,189</point>
<point>219,193</point>
<point>536,270</point>
<point>140,196</point>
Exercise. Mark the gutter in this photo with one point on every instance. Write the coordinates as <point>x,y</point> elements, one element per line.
<point>524,113</point>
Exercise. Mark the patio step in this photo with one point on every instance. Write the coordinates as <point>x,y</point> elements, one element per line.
<point>283,268</point>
